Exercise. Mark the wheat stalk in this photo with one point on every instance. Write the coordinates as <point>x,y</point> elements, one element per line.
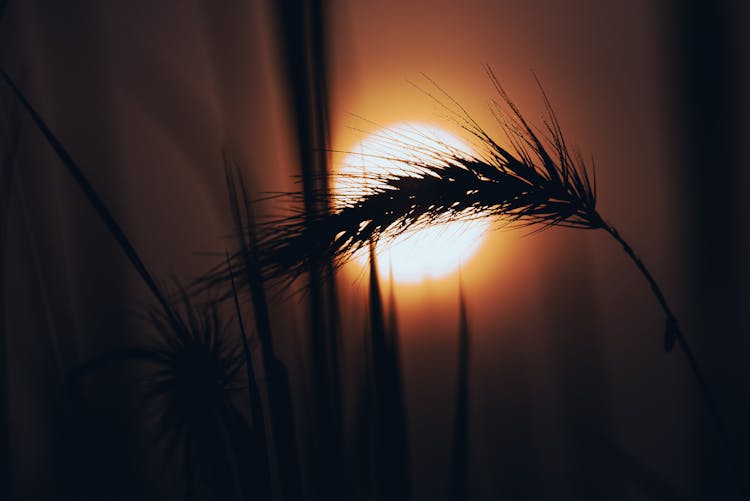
<point>535,182</point>
<point>529,184</point>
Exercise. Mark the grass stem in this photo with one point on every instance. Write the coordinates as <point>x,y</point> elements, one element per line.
<point>674,334</point>
<point>262,489</point>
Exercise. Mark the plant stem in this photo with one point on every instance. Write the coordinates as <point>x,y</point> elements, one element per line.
<point>263,488</point>
<point>93,197</point>
<point>708,395</point>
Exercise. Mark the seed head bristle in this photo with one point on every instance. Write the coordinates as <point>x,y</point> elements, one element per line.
<point>533,181</point>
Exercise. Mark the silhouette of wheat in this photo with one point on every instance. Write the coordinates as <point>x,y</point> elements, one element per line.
<point>536,181</point>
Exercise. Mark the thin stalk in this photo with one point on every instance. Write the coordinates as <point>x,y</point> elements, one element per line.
<point>673,330</point>
<point>391,464</point>
<point>92,196</point>
<point>382,460</point>
<point>264,490</point>
<point>281,412</point>
<point>460,471</point>
<point>301,26</point>
<point>173,321</point>
<point>399,428</point>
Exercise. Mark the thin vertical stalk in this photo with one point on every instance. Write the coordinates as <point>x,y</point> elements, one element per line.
<point>460,480</point>
<point>399,430</point>
<point>301,30</point>
<point>379,354</point>
<point>281,412</point>
<point>92,196</point>
<point>363,481</point>
<point>674,332</point>
<point>391,469</point>
<point>262,473</point>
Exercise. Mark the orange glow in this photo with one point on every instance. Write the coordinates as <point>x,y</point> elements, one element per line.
<point>428,253</point>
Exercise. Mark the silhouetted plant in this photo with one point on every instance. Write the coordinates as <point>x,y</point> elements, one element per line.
<point>526,185</point>
<point>460,460</point>
<point>391,468</point>
<point>536,181</point>
<point>189,372</point>
<point>278,387</point>
<point>399,429</point>
<point>301,30</point>
<point>196,366</point>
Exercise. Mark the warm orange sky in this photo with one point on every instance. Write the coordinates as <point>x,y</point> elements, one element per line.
<point>146,96</point>
<point>530,296</point>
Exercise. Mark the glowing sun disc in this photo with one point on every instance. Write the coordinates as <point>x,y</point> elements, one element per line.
<point>431,252</point>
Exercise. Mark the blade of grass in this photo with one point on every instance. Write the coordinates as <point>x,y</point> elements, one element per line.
<point>277,377</point>
<point>460,467</point>
<point>125,244</point>
<point>261,471</point>
<point>398,427</point>
<point>674,335</point>
<point>383,488</point>
<point>301,29</point>
<point>91,195</point>
<point>391,471</point>
<point>363,481</point>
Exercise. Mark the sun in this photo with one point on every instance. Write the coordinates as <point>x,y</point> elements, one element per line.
<point>432,252</point>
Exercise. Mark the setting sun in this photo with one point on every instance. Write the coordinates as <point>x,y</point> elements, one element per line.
<point>431,252</point>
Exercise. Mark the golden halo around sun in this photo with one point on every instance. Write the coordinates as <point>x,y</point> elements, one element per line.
<point>430,252</point>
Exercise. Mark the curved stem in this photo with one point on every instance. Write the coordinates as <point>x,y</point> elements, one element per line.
<point>708,395</point>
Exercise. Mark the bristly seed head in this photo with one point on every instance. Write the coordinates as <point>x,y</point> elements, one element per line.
<point>198,366</point>
<point>533,181</point>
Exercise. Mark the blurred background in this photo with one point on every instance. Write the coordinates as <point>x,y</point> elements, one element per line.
<point>570,394</point>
